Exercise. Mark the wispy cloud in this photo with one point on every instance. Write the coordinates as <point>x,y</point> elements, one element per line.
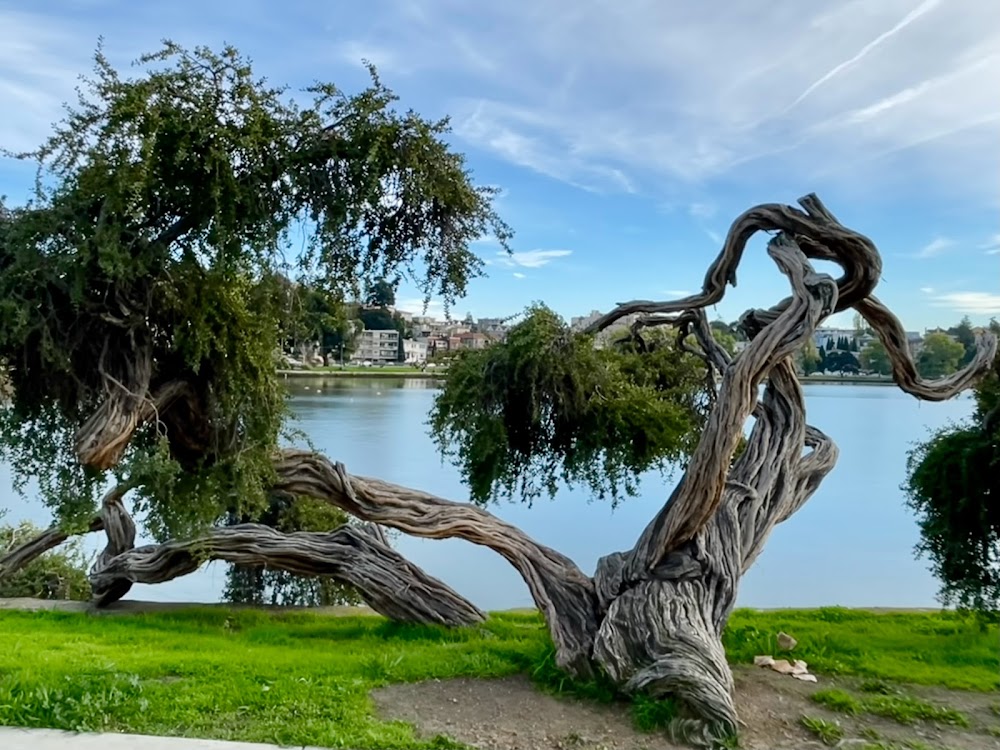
<point>927,289</point>
<point>831,84</point>
<point>415,306</point>
<point>976,303</point>
<point>518,275</point>
<point>935,247</point>
<point>677,293</point>
<point>992,246</point>
<point>527,258</point>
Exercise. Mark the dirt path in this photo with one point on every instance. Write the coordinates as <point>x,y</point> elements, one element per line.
<point>511,714</point>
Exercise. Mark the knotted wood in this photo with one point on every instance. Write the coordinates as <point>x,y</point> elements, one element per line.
<point>652,616</point>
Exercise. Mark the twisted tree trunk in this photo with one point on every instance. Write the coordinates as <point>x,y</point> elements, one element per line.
<point>651,617</point>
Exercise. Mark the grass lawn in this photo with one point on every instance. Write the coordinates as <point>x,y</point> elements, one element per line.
<point>300,679</point>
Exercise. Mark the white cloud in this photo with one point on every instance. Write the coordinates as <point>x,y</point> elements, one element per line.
<point>518,275</point>
<point>613,96</point>
<point>992,246</point>
<point>527,258</point>
<point>978,303</point>
<point>415,306</point>
<point>702,210</point>
<point>935,247</point>
<point>927,289</point>
<point>39,65</point>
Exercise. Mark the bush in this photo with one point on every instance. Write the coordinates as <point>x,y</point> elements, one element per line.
<point>58,574</point>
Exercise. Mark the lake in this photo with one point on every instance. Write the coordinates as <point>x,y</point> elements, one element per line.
<point>851,545</point>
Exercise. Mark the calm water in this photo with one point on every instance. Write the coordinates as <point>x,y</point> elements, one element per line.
<point>851,545</point>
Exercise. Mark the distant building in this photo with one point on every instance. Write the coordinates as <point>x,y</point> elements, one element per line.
<point>415,352</point>
<point>378,346</point>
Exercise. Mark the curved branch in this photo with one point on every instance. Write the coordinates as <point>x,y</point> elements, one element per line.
<point>120,529</point>
<point>560,590</point>
<point>904,370</point>
<point>34,548</point>
<point>389,583</point>
<point>700,491</point>
<point>817,231</point>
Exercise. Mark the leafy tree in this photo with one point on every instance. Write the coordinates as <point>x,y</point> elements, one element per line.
<point>940,355</point>
<point>141,291</point>
<point>829,344</point>
<point>965,335</point>
<point>521,416</point>
<point>809,359</point>
<point>874,358</point>
<point>953,480</point>
<point>841,361</point>
<point>381,294</point>
<point>140,314</point>
<point>378,319</point>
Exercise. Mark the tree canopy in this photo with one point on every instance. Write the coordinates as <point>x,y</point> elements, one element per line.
<point>140,288</point>
<point>953,482</point>
<point>546,406</point>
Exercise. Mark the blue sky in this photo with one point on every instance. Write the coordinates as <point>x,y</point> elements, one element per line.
<point>627,135</point>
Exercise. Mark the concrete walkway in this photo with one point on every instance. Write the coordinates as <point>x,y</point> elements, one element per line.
<point>14,738</point>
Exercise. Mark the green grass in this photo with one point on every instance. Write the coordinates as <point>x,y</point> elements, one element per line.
<point>301,678</point>
<point>827,732</point>
<point>290,679</point>
<point>932,648</point>
<point>903,709</point>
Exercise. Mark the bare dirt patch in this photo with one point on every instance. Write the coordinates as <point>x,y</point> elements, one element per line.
<point>512,714</point>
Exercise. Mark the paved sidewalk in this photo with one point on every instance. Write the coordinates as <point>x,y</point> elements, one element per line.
<point>14,738</point>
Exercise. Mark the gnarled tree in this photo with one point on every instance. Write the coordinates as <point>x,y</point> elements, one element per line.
<point>137,315</point>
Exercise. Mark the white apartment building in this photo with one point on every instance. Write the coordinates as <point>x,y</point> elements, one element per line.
<point>378,346</point>
<point>415,351</point>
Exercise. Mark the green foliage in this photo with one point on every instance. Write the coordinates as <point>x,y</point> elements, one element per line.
<point>939,355</point>
<point>58,574</point>
<point>874,358</point>
<point>952,482</point>
<point>381,294</point>
<point>152,253</point>
<point>266,586</point>
<point>808,359</point>
<point>828,732</point>
<point>547,406</point>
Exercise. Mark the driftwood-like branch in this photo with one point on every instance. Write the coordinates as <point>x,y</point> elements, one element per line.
<point>353,555</point>
<point>699,492</point>
<point>37,546</point>
<point>561,591</point>
<point>120,530</point>
<point>819,235</point>
<point>904,370</point>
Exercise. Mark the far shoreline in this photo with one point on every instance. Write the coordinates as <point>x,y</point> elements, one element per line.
<point>375,372</point>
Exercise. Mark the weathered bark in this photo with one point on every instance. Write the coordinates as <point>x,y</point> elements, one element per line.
<point>563,594</point>
<point>120,530</point>
<point>652,617</point>
<point>34,548</point>
<point>357,556</point>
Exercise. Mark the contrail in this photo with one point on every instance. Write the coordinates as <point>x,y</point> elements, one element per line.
<point>921,10</point>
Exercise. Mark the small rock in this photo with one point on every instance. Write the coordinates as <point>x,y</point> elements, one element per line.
<point>799,667</point>
<point>786,642</point>
<point>804,677</point>
<point>782,666</point>
<point>763,661</point>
